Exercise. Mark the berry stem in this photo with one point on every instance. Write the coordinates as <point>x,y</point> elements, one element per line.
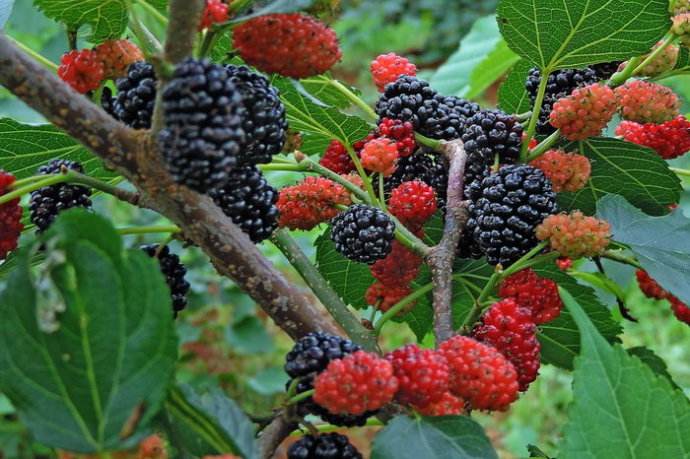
<point>19,192</point>
<point>427,142</point>
<point>523,116</point>
<point>408,239</point>
<point>621,77</point>
<point>299,397</point>
<point>382,194</point>
<point>615,256</point>
<point>654,54</point>
<point>352,97</point>
<point>323,291</point>
<point>150,9</point>
<point>362,173</point>
<point>544,146</point>
<point>43,60</point>
<point>149,230</point>
<point>208,42</point>
<point>400,305</point>
<point>536,111</point>
<point>681,172</point>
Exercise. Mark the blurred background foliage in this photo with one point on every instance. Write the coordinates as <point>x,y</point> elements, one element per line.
<point>226,340</point>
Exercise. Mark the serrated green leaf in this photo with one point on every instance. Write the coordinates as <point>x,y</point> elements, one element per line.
<point>560,338</point>
<point>350,280</point>
<point>457,437</point>
<point>108,18</point>
<point>480,60</point>
<point>653,361</point>
<point>534,451</point>
<point>209,424</point>
<point>620,407</point>
<point>23,148</point>
<point>661,244</point>
<point>512,95</point>
<point>557,34</point>
<point>108,355</point>
<point>632,171</point>
<point>319,122</point>
<point>321,87</point>
<point>274,7</point>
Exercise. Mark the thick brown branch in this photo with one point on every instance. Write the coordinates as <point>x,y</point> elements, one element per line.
<point>273,435</point>
<point>441,257</point>
<point>134,155</point>
<point>185,16</point>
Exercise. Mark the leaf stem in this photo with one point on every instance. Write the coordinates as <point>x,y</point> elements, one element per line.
<point>536,111</point>
<point>148,40</point>
<point>622,76</point>
<point>323,291</point>
<point>683,172</point>
<point>148,230</point>
<point>352,97</point>
<point>382,194</point>
<point>362,173</point>
<point>209,41</point>
<point>43,60</point>
<point>615,256</point>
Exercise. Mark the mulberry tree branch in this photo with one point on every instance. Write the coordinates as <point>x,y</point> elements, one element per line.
<point>135,155</point>
<point>185,16</point>
<point>440,258</point>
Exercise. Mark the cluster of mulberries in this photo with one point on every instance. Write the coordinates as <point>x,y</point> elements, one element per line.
<point>363,233</point>
<point>387,68</point>
<point>585,113</point>
<point>423,167</point>
<point>505,209</point>
<point>330,445</point>
<point>431,114</point>
<point>215,12</point>
<point>84,70</point>
<point>136,96</point>
<point>566,171</point>
<point>645,102</point>
<point>652,289</point>
<point>47,202</point>
<point>174,273</point>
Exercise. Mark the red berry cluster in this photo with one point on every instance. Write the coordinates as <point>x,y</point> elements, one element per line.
<point>379,151</point>
<point>538,294</point>
<point>645,102</point>
<point>294,45</point>
<point>393,275</point>
<point>85,70</point>
<point>10,218</point>
<point>310,203</point>
<point>386,68</point>
<point>215,12</point>
<point>652,289</point>
<point>670,139</point>
<point>414,203</point>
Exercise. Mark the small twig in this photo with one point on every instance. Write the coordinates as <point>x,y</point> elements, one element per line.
<point>401,305</point>
<point>185,16</point>
<point>544,146</point>
<point>149,230</point>
<point>440,258</point>
<point>323,291</point>
<point>272,436</point>
<point>611,255</point>
<point>536,112</point>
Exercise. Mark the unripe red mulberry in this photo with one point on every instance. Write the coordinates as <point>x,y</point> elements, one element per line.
<point>575,235</point>
<point>536,293</point>
<point>413,202</point>
<point>311,202</point>
<point>337,159</point>
<point>386,68</point>
<point>653,290</point>
<point>117,56</point>
<point>400,267</point>
<point>358,383</point>
<point>645,102</point>
<point>423,375</point>
<point>585,112</point>
<point>384,297</point>
<point>215,12</point>
<point>10,218</point>
<point>82,70</point>
<point>380,155</point>
<point>401,132</point>
<point>480,374</point>
<point>680,6</point>
<point>670,139</point>
<point>294,45</point>
<point>508,327</point>
<point>567,171</point>
<point>680,310</point>
<point>681,28</point>
<point>449,405</point>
